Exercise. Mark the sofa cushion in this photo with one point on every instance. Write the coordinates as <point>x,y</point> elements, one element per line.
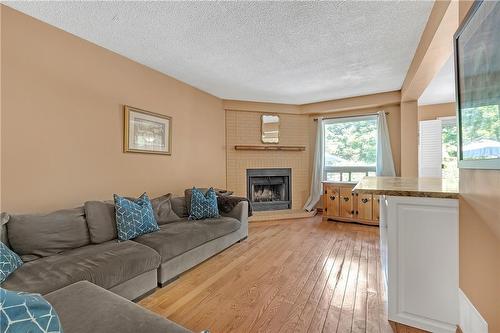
<point>101,221</point>
<point>176,238</point>
<point>162,209</point>
<point>107,265</point>
<point>87,308</point>
<point>203,205</point>
<point>134,217</point>
<point>4,218</point>
<point>179,206</point>
<point>25,312</point>
<point>45,235</point>
<point>9,262</point>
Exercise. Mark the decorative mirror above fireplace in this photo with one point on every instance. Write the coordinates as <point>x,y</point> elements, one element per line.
<point>270,128</point>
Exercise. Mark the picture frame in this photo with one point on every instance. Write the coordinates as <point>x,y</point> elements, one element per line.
<point>146,132</point>
<point>477,86</point>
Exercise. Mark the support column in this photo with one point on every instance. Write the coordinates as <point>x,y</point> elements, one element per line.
<point>409,139</point>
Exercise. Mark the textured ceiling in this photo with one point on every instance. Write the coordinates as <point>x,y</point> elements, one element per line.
<point>442,87</point>
<point>284,52</point>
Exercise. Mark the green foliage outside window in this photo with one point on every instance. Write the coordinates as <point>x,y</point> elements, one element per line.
<point>351,143</point>
<point>481,123</point>
<point>450,151</point>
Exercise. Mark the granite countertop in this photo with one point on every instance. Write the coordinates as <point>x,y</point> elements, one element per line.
<point>409,187</point>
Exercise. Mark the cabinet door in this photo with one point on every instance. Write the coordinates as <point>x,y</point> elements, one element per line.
<point>365,206</point>
<point>332,201</point>
<point>376,207</point>
<point>346,202</point>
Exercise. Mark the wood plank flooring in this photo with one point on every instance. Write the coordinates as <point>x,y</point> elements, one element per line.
<point>301,275</point>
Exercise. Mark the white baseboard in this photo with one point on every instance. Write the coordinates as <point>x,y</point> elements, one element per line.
<point>470,320</point>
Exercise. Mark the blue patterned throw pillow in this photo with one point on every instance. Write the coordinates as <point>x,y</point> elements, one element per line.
<point>203,206</point>
<point>134,217</point>
<point>23,312</point>
<point>9,262</point>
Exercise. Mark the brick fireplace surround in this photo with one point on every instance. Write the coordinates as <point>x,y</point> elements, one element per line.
<point>244,128</point>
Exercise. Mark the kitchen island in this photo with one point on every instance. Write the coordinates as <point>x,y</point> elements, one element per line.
<point>419,249</point>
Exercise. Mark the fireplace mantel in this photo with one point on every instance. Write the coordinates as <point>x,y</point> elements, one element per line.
<point>269,147</point>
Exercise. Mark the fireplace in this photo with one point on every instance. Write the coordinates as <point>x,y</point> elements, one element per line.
<point>269,189</point>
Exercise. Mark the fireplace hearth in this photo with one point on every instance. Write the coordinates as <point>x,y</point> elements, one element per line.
<point>269,189</point>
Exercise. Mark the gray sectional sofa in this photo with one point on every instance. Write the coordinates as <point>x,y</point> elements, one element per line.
<point>61,249</point>
<point>84,307</point>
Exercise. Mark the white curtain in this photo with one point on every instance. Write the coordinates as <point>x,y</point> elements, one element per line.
<point>317,172</point>
<point>385,163</point>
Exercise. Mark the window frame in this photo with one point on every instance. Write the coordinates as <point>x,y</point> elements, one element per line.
<point>346,169</point>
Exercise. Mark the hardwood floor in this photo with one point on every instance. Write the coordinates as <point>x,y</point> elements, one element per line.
<point>301,275</point>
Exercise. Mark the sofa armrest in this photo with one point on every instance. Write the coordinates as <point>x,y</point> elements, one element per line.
<point>240,212</point>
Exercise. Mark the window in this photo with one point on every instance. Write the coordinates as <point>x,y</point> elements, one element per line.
<point>450,148</point>
<point>350,148</point>
<point>438,148</point>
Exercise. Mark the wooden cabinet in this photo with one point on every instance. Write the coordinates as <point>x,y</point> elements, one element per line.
<point>332,200</point>
<point>420,258</point>
<point>343,205</point>
<point>365,206</point>
<point>376,207</point>
<point>346,202</point>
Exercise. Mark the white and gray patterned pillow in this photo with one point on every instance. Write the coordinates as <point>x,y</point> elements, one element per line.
<point>134,217</point>
<point>25,312</point>
<point>9,262</point>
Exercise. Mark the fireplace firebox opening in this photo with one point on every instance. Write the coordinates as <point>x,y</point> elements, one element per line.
<point>269,189</point>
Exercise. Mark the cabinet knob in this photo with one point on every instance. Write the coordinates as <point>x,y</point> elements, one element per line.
<point>364,200</point>
<point>332,197</point>
<point>346,199</point>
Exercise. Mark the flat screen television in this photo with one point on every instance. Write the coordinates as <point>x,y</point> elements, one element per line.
<point>477,76</point>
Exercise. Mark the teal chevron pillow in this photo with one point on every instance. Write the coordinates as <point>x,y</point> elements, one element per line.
<point>134,217</point>
<point>24,312</point>
<point>203,206</point>
<point>9,262</point>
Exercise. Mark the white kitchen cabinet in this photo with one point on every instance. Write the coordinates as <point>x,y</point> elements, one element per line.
<point>419,254</point>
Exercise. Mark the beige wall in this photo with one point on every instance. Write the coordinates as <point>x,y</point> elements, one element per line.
<point>244,128</point>
<point>62,123</point>
<point>409,139</point>
<point>480,236</point>
<point>1,104</point>
<point>434,111</point>
<point>480,242</point>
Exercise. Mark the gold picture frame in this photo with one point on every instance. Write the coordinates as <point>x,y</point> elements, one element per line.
<point>146,132</point>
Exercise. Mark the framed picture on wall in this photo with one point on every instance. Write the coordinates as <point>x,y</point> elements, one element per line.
<point>477,77</point>
<point>146,132</point>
